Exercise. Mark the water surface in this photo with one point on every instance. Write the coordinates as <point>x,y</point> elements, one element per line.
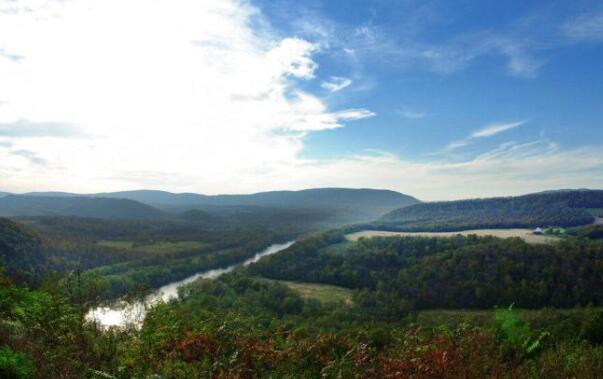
<point>121,314</point>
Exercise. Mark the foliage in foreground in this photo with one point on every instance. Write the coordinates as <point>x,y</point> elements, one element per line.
<point>244,328</point>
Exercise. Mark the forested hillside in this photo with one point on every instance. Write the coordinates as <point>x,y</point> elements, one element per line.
<point>458,272</point>
<point>564,208</point>
<point>21,251</point>
<point>127,255</point>
<point>320,206</point>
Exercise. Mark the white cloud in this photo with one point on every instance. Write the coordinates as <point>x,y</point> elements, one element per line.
<point>494,129</point>
<point>509,169</point>
<point>336,83</point>
<point>187,93</point>
<point>485,132</point>
<point>412,114</point>
<point>587,27</point>
<point>186,96</point>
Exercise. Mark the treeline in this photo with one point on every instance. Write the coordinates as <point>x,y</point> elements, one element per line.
<point>566,208</point>
<point>593,232</point>
<point>144,231</point>
<point>458,272</point>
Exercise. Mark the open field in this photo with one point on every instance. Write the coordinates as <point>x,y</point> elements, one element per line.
<point>322,292</point>
<point>155,248</point>
<point>524,234</point>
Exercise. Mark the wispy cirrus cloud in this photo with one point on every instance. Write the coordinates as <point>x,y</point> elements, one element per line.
<point>30,156</point>
<point>24,128</point>
<point>411,114</point>
<point>587,27</point>
<point>508,169</point>
<point>336,83</point>
<point>485,132</point>
<point>411,44</point>
<point>494,129</point>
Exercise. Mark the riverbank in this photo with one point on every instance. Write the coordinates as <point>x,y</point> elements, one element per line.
<point>122,314</point>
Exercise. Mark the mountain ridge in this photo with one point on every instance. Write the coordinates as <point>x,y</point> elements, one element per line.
<point>93,207</point>
<point>562,208</point>
<point>347,204</point>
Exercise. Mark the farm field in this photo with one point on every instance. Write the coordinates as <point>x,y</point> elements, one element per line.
<point>322,292</point>
<point>524,234</point>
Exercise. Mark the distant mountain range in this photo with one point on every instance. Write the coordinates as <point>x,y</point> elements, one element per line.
<point>392,210</point>
<point>349,205</point>
<point>93,207</point>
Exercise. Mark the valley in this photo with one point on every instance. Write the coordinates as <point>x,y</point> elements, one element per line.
<point>252,291</point>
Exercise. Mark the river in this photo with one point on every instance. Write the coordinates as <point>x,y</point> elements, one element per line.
<point>122,314</point>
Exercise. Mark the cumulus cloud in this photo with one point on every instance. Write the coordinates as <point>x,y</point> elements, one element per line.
<point>197,90</point>
<point>336,83</point>
<point>203,96</point>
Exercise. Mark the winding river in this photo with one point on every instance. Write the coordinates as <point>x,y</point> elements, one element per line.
<point>123,314</point>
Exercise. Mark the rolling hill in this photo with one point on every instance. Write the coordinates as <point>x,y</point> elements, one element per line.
<point>364,200</point>
<point>560,208</point>
<point>78,206</point>
<point>342,204</point>
<point>20,250</point>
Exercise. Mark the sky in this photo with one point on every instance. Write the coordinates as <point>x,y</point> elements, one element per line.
<point>436,99</point>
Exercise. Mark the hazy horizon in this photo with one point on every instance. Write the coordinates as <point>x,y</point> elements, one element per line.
<point>295,190</point>
<point>436,100</point>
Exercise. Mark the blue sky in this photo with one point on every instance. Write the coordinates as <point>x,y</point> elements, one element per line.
<point>438,99</point>
<point>423,103</point>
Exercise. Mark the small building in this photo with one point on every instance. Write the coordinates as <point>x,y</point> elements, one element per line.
<point>537,231</point>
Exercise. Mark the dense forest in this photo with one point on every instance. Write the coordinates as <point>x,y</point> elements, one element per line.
<point>457,272</point>
<point>563,208</point>
<point>128,255</point>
